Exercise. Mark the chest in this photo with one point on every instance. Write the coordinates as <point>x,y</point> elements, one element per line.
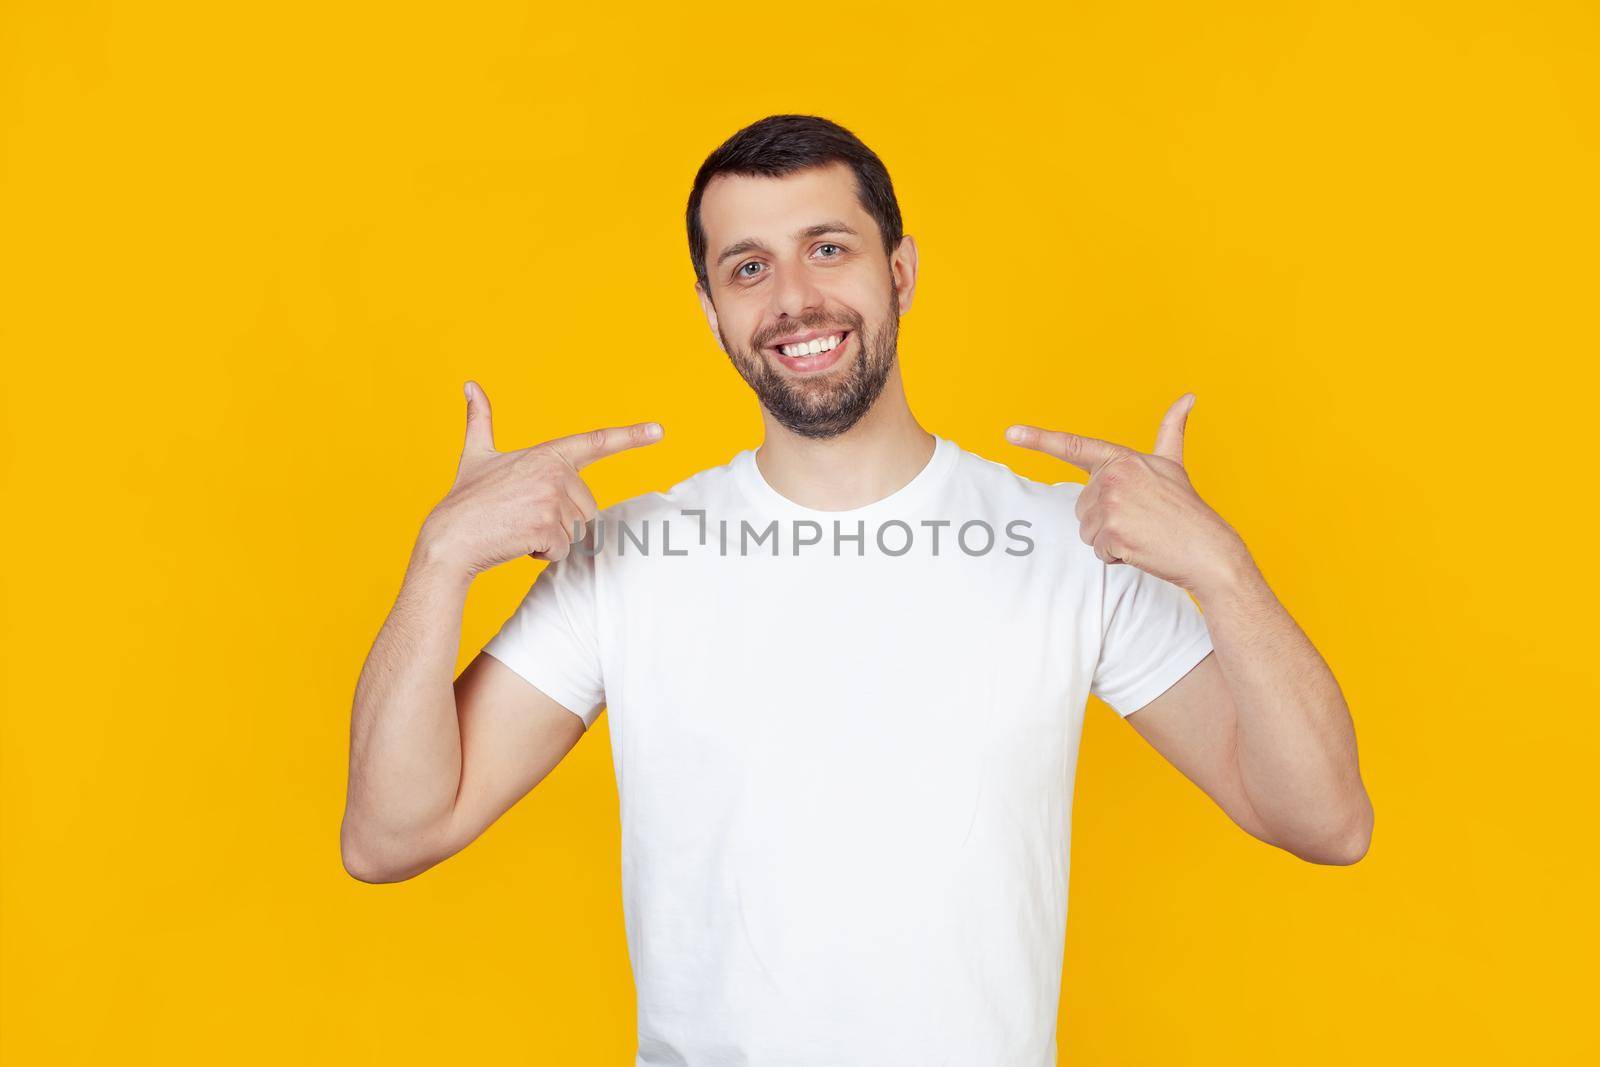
<point>783,647</point>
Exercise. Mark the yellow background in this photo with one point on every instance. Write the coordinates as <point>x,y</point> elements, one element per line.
<point>250,253</point>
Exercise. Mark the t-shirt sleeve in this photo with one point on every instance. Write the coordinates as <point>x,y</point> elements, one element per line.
<point>1153,635</point>
<point>550,639</point>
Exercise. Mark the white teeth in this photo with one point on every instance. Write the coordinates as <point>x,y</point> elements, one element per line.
<point>811,348</point>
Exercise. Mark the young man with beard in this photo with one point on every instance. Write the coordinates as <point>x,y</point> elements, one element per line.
<point>845,707</point>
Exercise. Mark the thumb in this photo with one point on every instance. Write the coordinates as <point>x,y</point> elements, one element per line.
<point>1169,439</point>
<point>480,424</point>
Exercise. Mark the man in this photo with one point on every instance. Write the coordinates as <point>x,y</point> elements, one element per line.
<point>846,671</point>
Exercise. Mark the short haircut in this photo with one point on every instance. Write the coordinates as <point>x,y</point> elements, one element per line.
<point>779,145</point>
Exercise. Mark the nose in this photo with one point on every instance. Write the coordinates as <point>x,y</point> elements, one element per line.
<point>795,293</point>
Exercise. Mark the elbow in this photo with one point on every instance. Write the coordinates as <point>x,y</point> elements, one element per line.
<point>1346,854</point>
<point>1348,845</point>
<point>366,864</point>
<point>363,871</point>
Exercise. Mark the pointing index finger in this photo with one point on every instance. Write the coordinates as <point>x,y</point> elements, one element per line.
<point>1087,453</point>
<point>582,449</point>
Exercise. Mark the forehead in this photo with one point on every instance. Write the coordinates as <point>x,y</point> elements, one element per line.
<point>737,206</point>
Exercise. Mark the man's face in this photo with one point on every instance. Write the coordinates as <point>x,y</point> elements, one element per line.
<point>797,259</point>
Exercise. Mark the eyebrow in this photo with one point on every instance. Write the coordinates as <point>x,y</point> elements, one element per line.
<point>750,244</point>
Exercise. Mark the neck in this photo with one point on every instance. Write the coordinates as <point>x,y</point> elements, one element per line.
<point>875,457</point>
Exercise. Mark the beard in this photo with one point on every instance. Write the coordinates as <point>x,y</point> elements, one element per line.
<point>828,403</point>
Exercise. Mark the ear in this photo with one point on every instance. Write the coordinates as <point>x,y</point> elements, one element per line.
<point>710,311</point>
<point>903,269</point>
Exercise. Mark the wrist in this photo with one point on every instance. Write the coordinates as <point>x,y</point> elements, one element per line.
<point>1233,574</point>
<point>436,554</point>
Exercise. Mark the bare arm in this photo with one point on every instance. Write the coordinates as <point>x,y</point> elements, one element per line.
<point>1260,724</point>
<point>433,762</point>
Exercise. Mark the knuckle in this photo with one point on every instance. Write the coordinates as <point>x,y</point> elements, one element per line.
<point>576,490</point>
<point>597,439</point>
<point>544,461</point>
<point>547,477</point>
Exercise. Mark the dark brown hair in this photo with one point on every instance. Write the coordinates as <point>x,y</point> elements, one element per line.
<point>780,145</point>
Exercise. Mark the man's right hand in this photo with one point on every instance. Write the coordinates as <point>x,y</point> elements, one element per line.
<point>528,502</point>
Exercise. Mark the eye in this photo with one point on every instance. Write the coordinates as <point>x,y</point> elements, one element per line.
<point>839,247</point>
<point>741,273</point>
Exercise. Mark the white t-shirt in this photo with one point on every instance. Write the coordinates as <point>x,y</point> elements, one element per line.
<point>845,767</point>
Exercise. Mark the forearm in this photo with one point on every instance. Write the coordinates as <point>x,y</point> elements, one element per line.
<point>1295,745</point>
<point>405,738</point>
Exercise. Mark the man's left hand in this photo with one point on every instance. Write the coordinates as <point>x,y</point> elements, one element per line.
<point>1140,508</point>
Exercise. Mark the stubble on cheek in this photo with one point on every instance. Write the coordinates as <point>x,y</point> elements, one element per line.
<point>829,402</point>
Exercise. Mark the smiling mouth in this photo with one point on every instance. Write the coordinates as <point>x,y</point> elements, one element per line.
<point>811,355</point>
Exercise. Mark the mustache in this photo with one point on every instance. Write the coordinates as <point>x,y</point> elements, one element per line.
<point>852,324</point>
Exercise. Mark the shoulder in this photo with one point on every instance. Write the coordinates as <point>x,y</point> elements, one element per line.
<point>708,486</point>
<point>1000,484</point>
<point>1046,510</point>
